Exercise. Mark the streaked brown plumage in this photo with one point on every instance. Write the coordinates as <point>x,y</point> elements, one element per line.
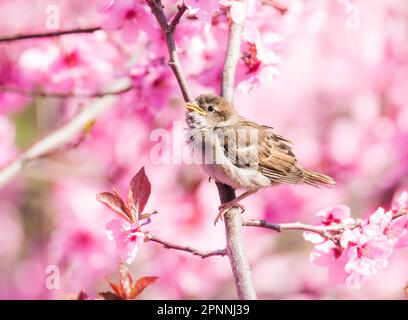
<point>243,154</point>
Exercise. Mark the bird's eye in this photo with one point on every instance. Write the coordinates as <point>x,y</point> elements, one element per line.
<point>211,109</point>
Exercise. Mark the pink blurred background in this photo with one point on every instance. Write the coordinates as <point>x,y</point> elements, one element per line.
<point>341,96</point>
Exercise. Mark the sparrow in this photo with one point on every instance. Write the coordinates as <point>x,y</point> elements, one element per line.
<point>242,153</point>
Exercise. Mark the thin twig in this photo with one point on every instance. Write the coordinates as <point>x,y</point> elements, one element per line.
<point>193,251</point>
<point>400,213</point>
<point>262,224</point>
<point>175,21</point>
<point>321,230</point>
<point>60,136</point>
<point>65,95</point>
<point>168,31</point>
<point>19,37</point>
<point>280,7</point>
<point>325,231</point>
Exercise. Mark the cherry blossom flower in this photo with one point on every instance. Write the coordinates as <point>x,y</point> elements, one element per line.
<point>361,248</point>
<point>153,84</point>
<point>398,228</point>
<point>126,231</point>
<point>400,202</point>
<point>70,66</point>
<point>397,232</point>
<point>367,253</point>
<point>126,236</point>
<point>383,222</point>
<point>335,215</point>
<point>259,60</point>
<point>203,9</point>
<point>237,12</point>
<point>129,16</point>
<point>328,254</point>
<point>329,216</point>
<point>11,76</point>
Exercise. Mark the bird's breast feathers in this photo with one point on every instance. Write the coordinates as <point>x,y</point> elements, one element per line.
<point>225,159</point>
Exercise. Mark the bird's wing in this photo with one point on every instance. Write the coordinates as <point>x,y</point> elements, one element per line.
<point>277,160</point>
<point>257,145</point>
<point>240,144</point>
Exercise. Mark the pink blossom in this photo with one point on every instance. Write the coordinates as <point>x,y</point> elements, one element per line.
<point>383,222</point>
<point>70,66</point>
<point>129,16</point>
<point>153,83</point>
<point>126,236</point>
<point>126,231</point>
<point>401,202</point>
<point>259,60</point>
<point>366,255</point>
<point>78,243</point>
<point>397,231</point>
<point>203,9</point>
<point>237,11</point>
<point>11,76</point>
<point>363,247</point>
<point>379,220</point>
<point>335,215</point>
<point>329,216</point>
<point>328,254</point>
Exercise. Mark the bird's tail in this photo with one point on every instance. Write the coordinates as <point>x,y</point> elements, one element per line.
<point>317,179</point>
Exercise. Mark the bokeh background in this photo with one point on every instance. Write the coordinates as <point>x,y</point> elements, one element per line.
<point>341,96</point>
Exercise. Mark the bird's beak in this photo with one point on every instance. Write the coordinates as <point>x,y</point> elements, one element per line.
<point>195,107</point>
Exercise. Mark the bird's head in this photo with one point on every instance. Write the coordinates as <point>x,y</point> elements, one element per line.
<point>209,110</point>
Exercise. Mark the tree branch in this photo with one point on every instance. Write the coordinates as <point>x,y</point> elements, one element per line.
<point>232,57</point>
<point>233,219</point>
<point>193,251</point>
<point>66,95</point>
<point>19,37</point>
<point>322,230</point>
<point>325,231</point>
<point>180,11</point>
<point>168,31</point>
<point>59,137</point>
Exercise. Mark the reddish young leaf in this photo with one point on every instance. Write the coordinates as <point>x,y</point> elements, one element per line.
<point>140,285</point>
<point>117,289</point>
<point>125,280</point>
<point>114,202</point>
<point>109,296</point>
<point>139,191</point>
<point>82,295</point>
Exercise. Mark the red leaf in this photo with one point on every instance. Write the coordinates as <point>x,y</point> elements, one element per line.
<point>109,296</point>
<point>139,191</point>
<point>117,289</point>
<point>126,281</point>
<point>114,202</point>
<point>140,285</point>
<point>82,295</point>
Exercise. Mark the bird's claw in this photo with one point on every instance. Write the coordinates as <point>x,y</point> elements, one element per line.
<point>223,208</point>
